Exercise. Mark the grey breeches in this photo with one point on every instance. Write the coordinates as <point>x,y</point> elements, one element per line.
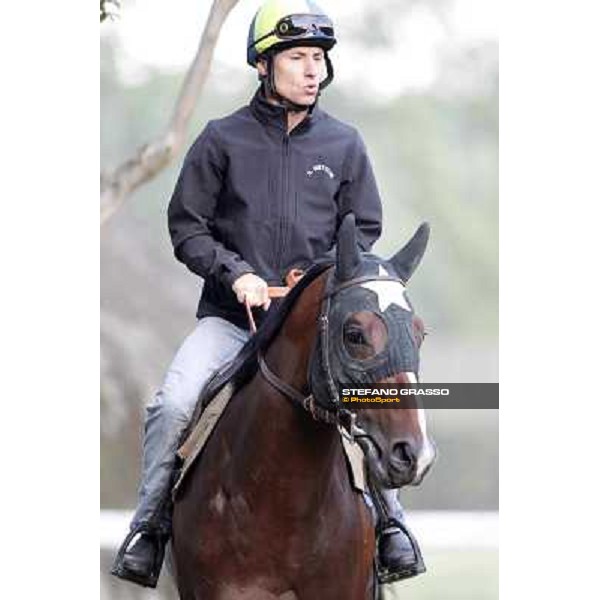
<point>212,344</point>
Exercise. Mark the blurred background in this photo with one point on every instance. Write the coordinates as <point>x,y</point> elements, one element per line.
<point>419,79</point>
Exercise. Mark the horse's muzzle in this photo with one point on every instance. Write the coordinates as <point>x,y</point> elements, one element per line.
<point>402,461</point>
<point>404,464</point>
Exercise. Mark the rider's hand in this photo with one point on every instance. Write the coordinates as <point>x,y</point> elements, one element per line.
<point>252,288</point>
<point>293,277</point>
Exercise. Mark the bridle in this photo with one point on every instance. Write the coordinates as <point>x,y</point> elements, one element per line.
<point>337,414</point>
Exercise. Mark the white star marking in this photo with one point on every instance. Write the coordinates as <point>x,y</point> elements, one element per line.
<point>388,292</point>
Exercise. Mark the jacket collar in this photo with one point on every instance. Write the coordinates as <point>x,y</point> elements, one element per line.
<point>275,116</point>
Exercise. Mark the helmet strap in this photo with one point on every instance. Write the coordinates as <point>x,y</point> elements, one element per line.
<point>330,73</point>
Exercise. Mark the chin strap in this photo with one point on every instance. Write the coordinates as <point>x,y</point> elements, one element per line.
<point>330,73</point>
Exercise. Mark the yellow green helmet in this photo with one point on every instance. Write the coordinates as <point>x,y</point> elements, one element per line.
<point>281,24</point>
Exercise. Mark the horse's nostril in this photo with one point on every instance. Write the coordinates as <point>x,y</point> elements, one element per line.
<point>403,455</point>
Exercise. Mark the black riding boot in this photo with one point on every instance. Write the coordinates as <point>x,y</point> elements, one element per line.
<point>142,562</point>
<point>398,553</point>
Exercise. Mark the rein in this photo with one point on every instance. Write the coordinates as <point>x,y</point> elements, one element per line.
<point>338,416</point>
<point>292,278</point>
<point>274,292</point>
<point>306,403</point>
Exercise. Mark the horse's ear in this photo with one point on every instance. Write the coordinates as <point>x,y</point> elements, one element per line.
<point>405,261</point>
<point>347,252</point>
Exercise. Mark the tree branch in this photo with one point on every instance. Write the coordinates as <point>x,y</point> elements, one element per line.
<point>108,9</point>
<point>150,159</point>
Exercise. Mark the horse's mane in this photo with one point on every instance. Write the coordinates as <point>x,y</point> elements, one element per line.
<point>244,366</point>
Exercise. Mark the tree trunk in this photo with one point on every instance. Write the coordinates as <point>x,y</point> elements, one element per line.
<point>150,159</point>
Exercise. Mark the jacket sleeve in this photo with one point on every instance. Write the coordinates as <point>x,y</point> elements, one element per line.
<point>191,212</point>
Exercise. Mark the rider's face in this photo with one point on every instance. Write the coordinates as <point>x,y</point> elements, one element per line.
<point>298,72</point>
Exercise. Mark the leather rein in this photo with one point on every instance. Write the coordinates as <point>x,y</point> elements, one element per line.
<point>342,417</point>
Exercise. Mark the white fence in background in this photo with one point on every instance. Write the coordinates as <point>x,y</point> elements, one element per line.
<point>435,530</point>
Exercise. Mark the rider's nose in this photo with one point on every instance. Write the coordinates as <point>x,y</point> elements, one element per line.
<point>404,456</point>
<point>311,69</point>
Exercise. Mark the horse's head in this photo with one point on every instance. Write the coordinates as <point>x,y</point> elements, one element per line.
<point>371,335</point>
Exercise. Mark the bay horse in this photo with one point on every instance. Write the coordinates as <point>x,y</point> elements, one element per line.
<point>269,512</point>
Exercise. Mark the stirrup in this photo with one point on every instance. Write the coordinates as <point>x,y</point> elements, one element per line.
<point>386,575</point>
<point>119,570</point>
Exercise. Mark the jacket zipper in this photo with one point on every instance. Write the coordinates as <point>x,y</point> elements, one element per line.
<point>284,204</point>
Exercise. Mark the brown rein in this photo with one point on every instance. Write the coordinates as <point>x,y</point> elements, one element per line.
<point>305,402</point>
<point>292,278</point>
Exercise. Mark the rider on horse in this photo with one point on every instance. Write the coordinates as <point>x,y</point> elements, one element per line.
<point>261,192</point>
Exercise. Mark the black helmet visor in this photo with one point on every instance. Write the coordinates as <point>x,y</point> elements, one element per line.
<point>295,27</point>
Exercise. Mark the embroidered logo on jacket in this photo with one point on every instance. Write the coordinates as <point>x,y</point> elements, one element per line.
<point>320,168</point>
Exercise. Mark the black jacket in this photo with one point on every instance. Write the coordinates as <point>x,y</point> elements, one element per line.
<point>252,199</point>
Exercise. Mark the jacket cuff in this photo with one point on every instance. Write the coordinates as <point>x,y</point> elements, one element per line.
<point>233,270</point>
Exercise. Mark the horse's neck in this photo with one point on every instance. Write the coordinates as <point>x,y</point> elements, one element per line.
<point>287,438</point>
<point>285,451</point>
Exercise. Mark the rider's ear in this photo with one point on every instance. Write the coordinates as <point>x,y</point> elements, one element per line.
<point>347,252</point>
<point>261,67</point>
<point>406,260</point>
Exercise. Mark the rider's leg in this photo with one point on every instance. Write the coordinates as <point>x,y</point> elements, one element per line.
<point>398,552</point>
<point>213,343</point>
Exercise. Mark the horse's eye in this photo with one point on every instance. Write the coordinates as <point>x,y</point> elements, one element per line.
<point>356,342</point>
<point>364,335</point>
<point>356,337</point>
